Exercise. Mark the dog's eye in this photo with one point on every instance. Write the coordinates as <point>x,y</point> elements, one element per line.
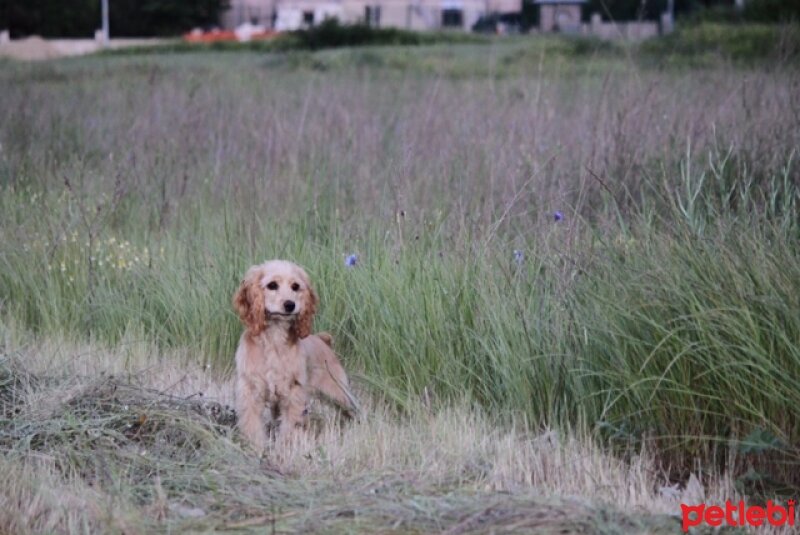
<point>295,287</point>
<point>272,286</point>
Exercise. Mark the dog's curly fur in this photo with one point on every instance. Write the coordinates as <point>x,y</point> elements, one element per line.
<point>279,363</point>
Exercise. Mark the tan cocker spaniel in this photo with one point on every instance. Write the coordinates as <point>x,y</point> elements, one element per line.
<point>279,363</point>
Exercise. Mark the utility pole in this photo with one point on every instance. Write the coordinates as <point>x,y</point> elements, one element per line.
<point>668,18</point>
<point>104,8</point>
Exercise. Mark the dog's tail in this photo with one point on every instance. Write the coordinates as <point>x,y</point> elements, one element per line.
<point>351,406</point>
<point>327,377</point>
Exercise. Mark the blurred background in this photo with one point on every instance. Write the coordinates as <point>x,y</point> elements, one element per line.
<point>166,18</point>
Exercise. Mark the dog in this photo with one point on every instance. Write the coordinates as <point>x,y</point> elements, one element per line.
<point>280,365</point>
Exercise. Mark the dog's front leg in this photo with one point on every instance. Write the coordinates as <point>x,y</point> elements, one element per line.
<point>293,410</point>
<point>249,410</point>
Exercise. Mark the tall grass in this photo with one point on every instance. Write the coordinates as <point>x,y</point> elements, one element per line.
<point>664,303</point>
<point>708,42</point>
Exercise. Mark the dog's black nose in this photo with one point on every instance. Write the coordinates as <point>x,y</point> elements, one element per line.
<point>288,306</point>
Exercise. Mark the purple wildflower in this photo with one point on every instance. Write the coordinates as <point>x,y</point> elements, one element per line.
<point>558,215</point>
<point>351,260</point>
<point>519,257</point>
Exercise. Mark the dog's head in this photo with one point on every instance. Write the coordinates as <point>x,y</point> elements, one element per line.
<point>276,291</point>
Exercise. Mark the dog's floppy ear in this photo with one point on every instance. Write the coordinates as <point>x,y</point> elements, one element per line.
<point>248,301</point>
<point>306,320</point>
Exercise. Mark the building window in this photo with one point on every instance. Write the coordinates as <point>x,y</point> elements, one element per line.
<point>372,16</point>
<point>452,18</point>
<point>308,18</point>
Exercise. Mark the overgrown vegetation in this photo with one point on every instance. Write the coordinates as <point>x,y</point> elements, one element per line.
<point>328,34</point>
<point>759,11</point>
<point>617,256</point>
<point>331,34</point>
<point>694,45</point>
<point>712,42</point>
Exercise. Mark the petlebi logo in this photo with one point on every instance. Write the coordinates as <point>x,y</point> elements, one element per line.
<point>738,514</point>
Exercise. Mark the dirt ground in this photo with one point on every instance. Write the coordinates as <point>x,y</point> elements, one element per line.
<point>35,48</point>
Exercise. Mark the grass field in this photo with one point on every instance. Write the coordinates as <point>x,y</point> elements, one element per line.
<point>577,289</point>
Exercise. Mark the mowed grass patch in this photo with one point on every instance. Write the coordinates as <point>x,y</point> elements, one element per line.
<point>131,440</point>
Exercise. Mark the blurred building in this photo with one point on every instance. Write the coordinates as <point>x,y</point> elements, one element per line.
<point>560,15</point>
<point>410,14</point>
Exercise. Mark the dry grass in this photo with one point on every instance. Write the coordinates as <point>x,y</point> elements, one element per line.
<point>130,440</point>
<point>441,147</point>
